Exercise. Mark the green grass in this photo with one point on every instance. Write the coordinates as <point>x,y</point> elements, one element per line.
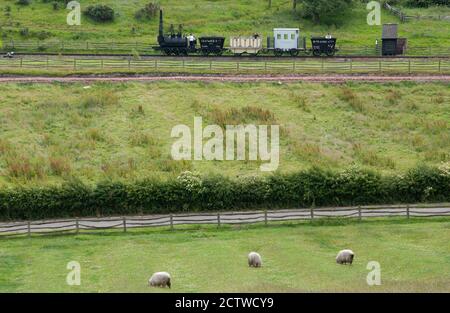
<point>52,132</point>
<point>208,17</point>
<point>413,255</point>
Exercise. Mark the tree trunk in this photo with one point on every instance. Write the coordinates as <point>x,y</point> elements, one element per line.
<point>294,4</point>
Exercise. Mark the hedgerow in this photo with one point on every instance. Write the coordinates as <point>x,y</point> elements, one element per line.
<point>190,192</point>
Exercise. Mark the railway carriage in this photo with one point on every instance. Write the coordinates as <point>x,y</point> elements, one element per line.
<point>246,45</point>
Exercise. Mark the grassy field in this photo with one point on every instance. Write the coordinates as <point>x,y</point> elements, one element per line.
<point>206,17</point>
<point>51,132</point>
<point>413,255</point>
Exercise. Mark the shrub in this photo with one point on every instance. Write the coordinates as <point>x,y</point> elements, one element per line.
<point>23,2</point>
<point>148,12</point>
<point>191,192</point>
<point>100,12</point>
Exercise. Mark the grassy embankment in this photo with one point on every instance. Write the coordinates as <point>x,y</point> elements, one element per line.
<point>204,17</point>
<point>52,132</point>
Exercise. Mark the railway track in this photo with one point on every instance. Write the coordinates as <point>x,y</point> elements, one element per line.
<point>226,57</point>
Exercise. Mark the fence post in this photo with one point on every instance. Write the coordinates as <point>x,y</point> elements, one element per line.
<point>218,219</point>
<point>439,66</point>
<point>210,65</point>
<point>322,67</point>
<point>77,226</point>
<point>293,66</point>
<point>124,224</point>
<point>74,64</point>
<point>171,222</point>
<point>21,61</point>
<point>47,63</point>
<point>29,229</point>
<point>156,64</point>
<point>129,64</point>
<point>407,211</point>
<point>237,66</point>
<point>102,63</point>
<point>351,65</point>
<point>265,66</point>
<point>312,212</point>
<point>409,66</point>
<point>379,66</point>
<point>359,213</point>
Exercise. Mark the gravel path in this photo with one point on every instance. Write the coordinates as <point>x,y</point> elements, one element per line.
<point>229,78</point>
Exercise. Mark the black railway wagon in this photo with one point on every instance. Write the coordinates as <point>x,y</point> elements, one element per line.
<point>212,45</point>
<point>322,45</point>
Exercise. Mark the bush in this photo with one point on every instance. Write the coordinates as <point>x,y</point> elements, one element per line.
<point>23,2</point>
<point>148,12</point>
<point>191,192</point>
<point>100,12</point>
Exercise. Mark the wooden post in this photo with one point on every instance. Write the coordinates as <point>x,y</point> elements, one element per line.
<point>322,66</point>
<point>265,66</point>
<point>124,224</point>
<point>359,213</point>
<point>409,66</point>
<point>129,64</point>
<point>102,63</point>
<point>21,61</point>
<point>218,219</point>
<point>77,226</point>
<point>156,64</point>
<point>46,62</point>
<point>210,65</point>
<point>351,65</point>
<point>439,66</point>
<point>74,64</point>
<point>379,66</point>
<point>237,66</point>
<point>171,222</point>
<point>293,66</point>
<point>407,211</point>
<point>29,229</point>
<point>265,217</point>
<point>312,212</point>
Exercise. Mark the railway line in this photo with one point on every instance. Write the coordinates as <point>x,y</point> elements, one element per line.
<point>227,57</point>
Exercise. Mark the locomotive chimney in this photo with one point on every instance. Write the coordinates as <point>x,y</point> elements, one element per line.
<point>161,26</point>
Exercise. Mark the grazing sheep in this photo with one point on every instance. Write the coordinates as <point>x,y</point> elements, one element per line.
<point>254,259</point>
<point>345,257</point>
<point>160,279</point>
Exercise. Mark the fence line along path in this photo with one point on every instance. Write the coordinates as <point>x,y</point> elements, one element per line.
<point>76,225</point>
<point>409,66</point>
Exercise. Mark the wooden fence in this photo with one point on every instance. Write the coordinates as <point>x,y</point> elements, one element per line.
<point>88,47</point>
<point>190,65</point>
<point>404,17</point>
<point>78,225</point>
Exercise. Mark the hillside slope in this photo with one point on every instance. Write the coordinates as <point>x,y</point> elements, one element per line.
<point>204,17</point>
<point>54,131</point>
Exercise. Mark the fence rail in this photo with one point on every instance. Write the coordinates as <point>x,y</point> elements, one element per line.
<point>77,225</point>
<point>189,65</point>
<point>404,17</point>
<point>57,46</point>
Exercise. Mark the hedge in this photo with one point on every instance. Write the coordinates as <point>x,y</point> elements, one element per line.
<point>190,192</point>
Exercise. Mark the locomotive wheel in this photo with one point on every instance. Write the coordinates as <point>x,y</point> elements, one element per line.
<point>293,52</point>
<point>205,52</point>
<point>167,51</point>
<point>278,52</point>
<point>184,52</point>
<point>218,52</point>
<point>316,53</point>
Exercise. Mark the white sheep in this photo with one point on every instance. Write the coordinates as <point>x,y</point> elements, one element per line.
<point>160,279</point>
<point>345,256</point>
<point>254,259</point>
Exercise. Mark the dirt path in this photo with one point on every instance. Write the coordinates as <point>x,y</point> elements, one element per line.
<point>229,78</point>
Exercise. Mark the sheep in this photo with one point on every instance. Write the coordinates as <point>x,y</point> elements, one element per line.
<point>345,256</point>
<point>254,259</point>
<point>160,279</point>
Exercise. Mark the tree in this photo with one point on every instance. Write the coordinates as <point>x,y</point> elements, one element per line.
<point>320,10</point>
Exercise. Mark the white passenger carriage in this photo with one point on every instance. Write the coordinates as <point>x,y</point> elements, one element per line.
<point>286,40</point>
